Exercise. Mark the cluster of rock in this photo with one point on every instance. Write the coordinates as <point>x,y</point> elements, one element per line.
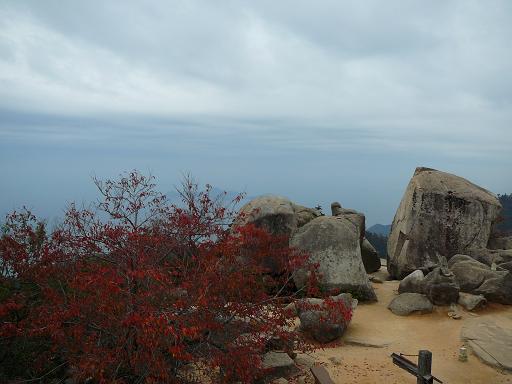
<point>445,217</point>
<point>336,242</point>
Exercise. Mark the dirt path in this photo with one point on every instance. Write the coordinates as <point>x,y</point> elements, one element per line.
<point>375,324</point>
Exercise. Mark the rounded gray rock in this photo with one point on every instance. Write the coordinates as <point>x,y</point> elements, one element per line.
<point>407,303</point>
<point>412,283</point>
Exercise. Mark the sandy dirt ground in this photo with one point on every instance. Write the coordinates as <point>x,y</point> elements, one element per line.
<point>375,324</point>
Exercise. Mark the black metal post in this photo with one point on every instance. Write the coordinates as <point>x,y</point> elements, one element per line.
<point>425,367</point>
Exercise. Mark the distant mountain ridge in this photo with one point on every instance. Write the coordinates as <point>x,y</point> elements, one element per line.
<point>380,229</point>
<point>505,224</point>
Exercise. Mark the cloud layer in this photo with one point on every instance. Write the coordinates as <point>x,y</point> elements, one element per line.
<point>381,84</point>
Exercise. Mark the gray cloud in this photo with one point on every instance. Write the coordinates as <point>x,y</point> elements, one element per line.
<point>277,88</point>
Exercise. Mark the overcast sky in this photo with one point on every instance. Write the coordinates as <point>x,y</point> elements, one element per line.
<point>314,100</point>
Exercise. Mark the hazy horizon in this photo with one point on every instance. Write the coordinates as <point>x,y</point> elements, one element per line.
<point>318,102</point>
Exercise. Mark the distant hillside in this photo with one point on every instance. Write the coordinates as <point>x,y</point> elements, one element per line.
<point>505,224</point>
<point>379,242</point>
<point>380,229</point>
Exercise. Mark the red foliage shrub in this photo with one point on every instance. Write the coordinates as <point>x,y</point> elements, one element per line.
<point>141,290</point>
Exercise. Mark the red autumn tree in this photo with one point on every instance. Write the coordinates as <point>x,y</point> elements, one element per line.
<point>140,290</point>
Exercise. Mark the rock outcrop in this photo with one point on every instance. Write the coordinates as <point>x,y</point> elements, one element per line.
<point>334,243</point>
<point>489,341</point>
<point>475,277</point>
<point>440,214</point>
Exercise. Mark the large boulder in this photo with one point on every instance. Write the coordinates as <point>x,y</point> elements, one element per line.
<point>370,256</point>
<point>333,243</point>
<point>273,213</point>
<point>440,214</point>
<point>278,215</point>
<point>321,322</point>
<point>407,303</point>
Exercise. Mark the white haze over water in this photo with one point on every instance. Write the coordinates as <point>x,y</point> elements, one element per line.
<point>317,101</point>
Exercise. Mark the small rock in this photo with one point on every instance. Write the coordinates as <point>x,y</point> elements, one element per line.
<point>281,380</point>
<point>304,361</point>
<point>278,364</point>
<point>375,279</point>
<point>454,315</point>
<point>382,274</point>
<point>413,282</point>
<point>407,303</point>
<point>441,287</point>
<point>335,360</point>
<point>301,380</point>
<point>472,302</point>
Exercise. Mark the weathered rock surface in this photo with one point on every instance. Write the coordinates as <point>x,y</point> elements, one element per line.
<point>490,342</point>
<point>370,256</point>
<point>457,258</point>
<point>441,287</point>
<point>315,318</point>
<point>305,214</point>
<point>490,256</point>
<point>505,266</point>
<point>440,214</point>
<point>497,289</point>
<point>334,243</point>
<point>472,302</point>
<point>278,215</point>
<point>355,217</point>
<point>407,303</point>
<point>470,274</point>
<point>412,283</point>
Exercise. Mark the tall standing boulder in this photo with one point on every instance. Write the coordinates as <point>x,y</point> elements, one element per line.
<point>370,256</point>
<point>334,243</point>
<point>440,214</point>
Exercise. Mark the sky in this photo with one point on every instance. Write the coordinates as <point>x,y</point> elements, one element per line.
<point>318,101</point>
